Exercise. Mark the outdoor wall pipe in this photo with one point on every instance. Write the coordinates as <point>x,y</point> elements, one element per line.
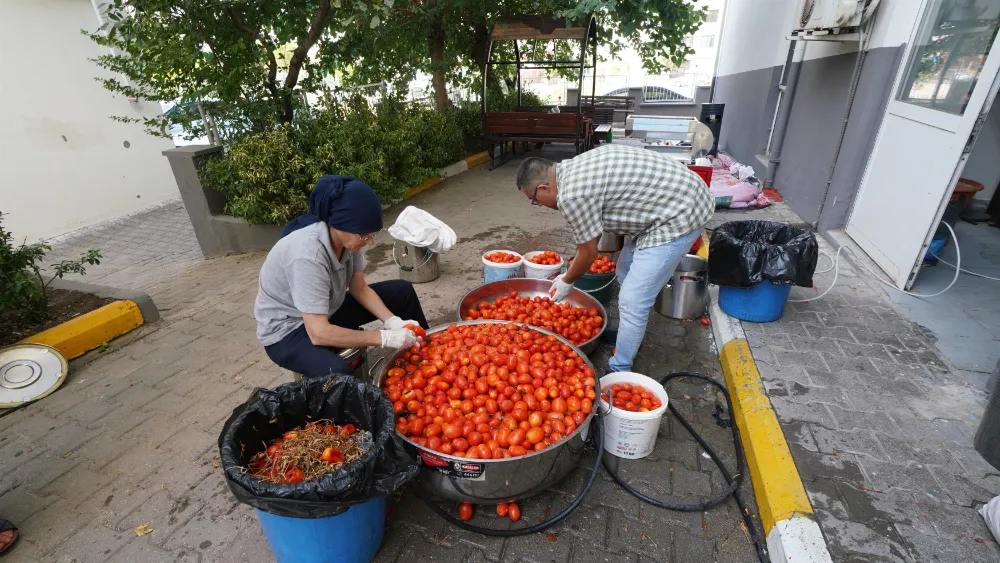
<point>784,112</point>
<point>855,80</point>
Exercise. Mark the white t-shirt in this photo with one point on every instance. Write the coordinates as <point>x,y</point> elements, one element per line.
<point>302,275</point>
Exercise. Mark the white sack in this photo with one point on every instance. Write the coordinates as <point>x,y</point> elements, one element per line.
<point>991,513</point>
<point>420,228</point>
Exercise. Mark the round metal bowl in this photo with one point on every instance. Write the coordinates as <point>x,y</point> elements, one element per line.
<point>496,480</point>
<point>527,287</point>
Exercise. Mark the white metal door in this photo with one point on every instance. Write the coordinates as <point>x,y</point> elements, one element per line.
<point>947,80</point>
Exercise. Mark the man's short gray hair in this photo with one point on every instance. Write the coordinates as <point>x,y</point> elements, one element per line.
<point>533,171</point>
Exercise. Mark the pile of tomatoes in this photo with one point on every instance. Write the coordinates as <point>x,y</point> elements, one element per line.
<point>576,324</point>
<point>602,265</point>
<point>632,398</point>
<point>489,391</point>
<point>547,258</point>
<point>502,257</point>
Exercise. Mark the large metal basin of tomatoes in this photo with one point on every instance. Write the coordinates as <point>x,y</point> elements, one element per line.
<point>527,287</point>
<point>496,480</point>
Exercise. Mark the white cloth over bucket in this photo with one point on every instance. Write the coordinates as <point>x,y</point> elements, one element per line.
<point>420,228</point>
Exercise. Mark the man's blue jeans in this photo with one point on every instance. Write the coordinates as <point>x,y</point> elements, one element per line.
<point>642,275</point>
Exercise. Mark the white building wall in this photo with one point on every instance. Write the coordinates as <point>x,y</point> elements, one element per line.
<point>63,163</point>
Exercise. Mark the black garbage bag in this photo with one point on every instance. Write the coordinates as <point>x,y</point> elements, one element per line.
<point>745,253</point>
<point>269,413</point>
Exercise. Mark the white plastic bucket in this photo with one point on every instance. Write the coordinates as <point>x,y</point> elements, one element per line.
<point>631,435</point>
<point>495,272</point>
<point>541,271</point>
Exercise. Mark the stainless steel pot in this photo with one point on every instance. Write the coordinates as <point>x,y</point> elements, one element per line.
<point>531,288</point>
<point>495,480</point>
<point>686,294</point>
<point>610,242</point>
<point>417,264</point>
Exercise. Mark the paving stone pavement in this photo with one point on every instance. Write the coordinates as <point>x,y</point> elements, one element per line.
<point>139,251</point>
<point>880,424</point>
<point>131,437</point>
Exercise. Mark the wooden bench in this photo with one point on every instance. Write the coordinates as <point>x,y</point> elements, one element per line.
<point>534,127</point>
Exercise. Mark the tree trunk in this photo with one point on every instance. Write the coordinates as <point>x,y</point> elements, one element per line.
<point>436,44</point>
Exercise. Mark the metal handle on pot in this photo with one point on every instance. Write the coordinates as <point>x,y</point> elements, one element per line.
<point>372,369</point>
<point>410,268</point>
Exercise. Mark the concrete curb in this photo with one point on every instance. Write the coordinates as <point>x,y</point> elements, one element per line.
<point>90,330</point>
<point>150,313</point>
<point>785,511</point>
<point>449,171</point>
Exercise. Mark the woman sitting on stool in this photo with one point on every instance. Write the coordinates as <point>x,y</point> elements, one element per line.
<point>312,296</point>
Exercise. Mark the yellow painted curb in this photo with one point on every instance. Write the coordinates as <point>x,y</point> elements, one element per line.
<point>477,159</point>
<point>703,249</point>
<point>776,482</point>
<point>427,183</point>
<point>88,331</point>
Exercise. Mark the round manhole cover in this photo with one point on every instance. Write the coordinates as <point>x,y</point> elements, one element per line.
<point>29,372</point>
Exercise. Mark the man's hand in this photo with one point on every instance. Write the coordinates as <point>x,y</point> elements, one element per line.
<point>559,289</point>
<point>396,322</point>
<point>399,338</point>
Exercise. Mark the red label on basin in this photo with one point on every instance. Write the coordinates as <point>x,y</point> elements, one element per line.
<point>431,459</point>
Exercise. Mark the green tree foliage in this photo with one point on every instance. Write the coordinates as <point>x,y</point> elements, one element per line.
<point>449,38</point>
<point>248,62</point>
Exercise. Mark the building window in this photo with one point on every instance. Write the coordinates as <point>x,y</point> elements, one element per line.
<point>713,16</point>
<point>944,67</point>
<point>703,42</point>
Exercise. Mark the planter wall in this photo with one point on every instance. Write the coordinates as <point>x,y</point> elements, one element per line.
<point>218,234</point>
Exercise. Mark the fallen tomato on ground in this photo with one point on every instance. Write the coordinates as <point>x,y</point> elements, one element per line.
<point>465,511</point>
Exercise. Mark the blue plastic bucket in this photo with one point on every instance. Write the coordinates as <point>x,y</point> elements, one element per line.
<point>493,271</point>
<point>351,537</point>
<point>763,303</point>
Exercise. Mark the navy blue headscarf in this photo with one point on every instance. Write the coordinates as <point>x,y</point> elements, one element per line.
<point>343,202</point>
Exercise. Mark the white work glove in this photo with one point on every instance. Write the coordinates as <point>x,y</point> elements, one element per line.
<point>396,322</point>
<point>399,338</point>
<point>559,290</point>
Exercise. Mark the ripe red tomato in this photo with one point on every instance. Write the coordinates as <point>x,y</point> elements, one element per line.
<point>514,511</point>
<point>417,329</point>
<point>347,430</point>
<point>273,450</point>
<point>465,511</point>
<point>502,508</point>
<point>332,455</point>
<point>294,475</point>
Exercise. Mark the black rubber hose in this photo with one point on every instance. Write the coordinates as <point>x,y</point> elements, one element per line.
<point>733,483</point>
<point>598,435</point>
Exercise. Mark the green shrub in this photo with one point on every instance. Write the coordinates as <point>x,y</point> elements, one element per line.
<point>22,288</point>
<point>267,177</point>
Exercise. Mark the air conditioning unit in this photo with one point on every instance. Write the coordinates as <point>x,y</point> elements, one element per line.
<point>817,17</point>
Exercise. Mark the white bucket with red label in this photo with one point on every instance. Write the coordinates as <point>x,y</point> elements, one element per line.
<point>496,271</point>
<point>541,271</point>
<point>631,435</point>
